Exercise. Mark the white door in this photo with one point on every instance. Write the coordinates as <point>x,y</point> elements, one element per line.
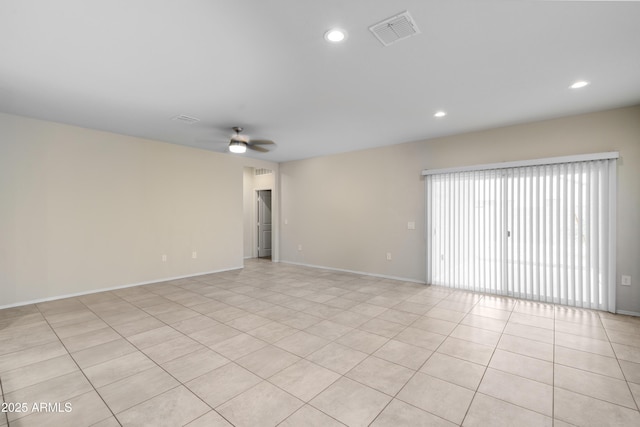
<point>264,223</point>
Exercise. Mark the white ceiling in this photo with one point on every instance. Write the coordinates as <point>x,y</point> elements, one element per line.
<point>129,66</point>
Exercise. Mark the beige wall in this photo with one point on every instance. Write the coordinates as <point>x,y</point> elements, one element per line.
<point>348,210</point>
<point>82,210</point>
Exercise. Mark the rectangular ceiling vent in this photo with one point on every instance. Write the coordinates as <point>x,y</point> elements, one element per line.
<point>263,171</point>
<point>185,119</point>
<point>398,27</point>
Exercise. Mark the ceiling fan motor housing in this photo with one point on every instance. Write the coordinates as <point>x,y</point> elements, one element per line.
<point>240,138</point>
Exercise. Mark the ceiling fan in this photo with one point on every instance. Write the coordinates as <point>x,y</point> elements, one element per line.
<point>239,143</point>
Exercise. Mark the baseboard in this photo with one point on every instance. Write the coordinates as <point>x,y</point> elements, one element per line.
<point>628,313</point>
<point>131,285</point>
<point>364,273</point>
<point>405,279</point>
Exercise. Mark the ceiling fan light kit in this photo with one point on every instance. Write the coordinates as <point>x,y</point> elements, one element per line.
<point>237,147</point>
<point>239,143</point>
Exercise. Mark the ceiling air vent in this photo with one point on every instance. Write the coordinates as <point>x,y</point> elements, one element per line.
<point>398,27</point>
<point>185,119</point>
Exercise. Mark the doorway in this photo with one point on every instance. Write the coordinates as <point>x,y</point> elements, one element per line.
<point>260,213</point>
<point>264,226</point>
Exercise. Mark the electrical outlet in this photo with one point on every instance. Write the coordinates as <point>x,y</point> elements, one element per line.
<point>299,247</point>
<point>194,254</point>
<point>286,221</point>
<point>388,256</point>
<point>164,258</point>
<point>626,280</point>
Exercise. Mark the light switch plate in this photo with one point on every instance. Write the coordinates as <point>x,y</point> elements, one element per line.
<point>626,280</point>
<point>411,225</point>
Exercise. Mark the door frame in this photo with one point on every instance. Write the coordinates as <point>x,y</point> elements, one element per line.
<point>254,223</point>
<point>249,188</point>
<point>255,217</point>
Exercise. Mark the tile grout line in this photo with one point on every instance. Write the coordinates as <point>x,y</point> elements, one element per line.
<point>199,342</point>
<point>619,365</point>
<point>169,325</point>
<point>136,347</point>
<point>311,406</point>
<point>475,393</point>
<point>368,355</point>
<point>487,367</point>
<point>345,374</point>
<point>6,414</point>
<point>406,297</point>
<point>357,328</point>
<point>273,344</point>
<point>596,373</point>
<point>494,347</point>
<point>305,403</point>
<point>76,363</point>
<point>420,367</point>
<point>180,383</point>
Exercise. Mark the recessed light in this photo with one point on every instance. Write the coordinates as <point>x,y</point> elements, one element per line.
<point>335,35</point>
<point>579,84</point>
<point>440,114</point>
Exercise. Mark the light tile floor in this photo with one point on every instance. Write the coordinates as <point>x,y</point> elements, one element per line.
<point>277,344</point>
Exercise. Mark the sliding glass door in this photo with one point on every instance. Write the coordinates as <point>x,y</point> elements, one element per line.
<point>542,232</point>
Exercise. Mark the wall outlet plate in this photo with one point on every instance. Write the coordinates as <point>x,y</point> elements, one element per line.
<point>626,280</point>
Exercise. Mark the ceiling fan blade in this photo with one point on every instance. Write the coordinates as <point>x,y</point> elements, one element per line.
<point>261,142</point>
<point>256,148</point>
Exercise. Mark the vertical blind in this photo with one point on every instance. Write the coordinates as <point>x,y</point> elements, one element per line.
<point>540,231</point>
